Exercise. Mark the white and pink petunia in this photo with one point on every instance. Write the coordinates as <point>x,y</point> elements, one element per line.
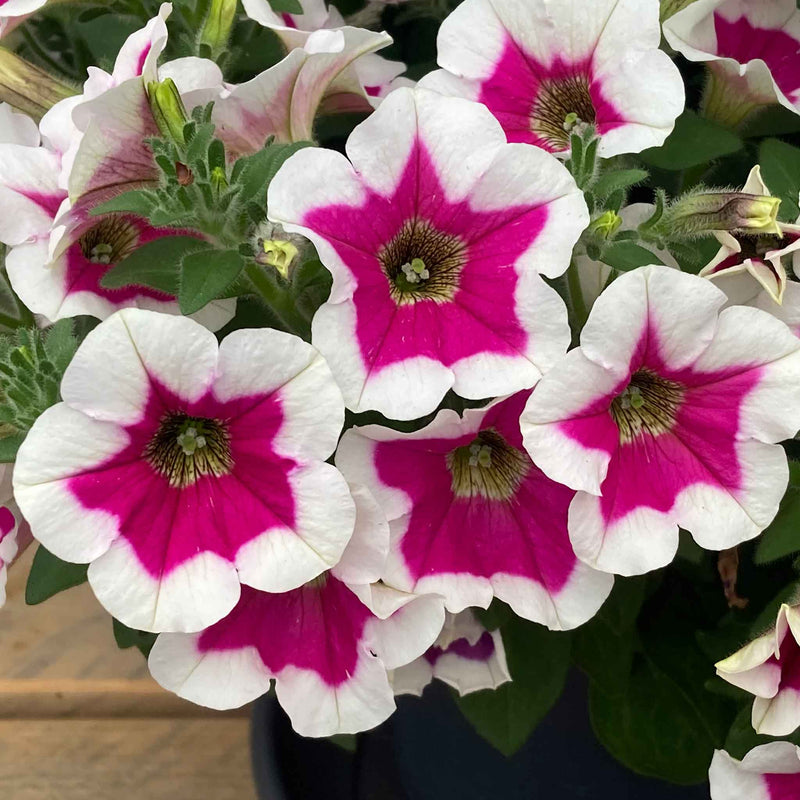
<point>328,644</point>
<point>750,47</point>
<point>436,235</point>
<point>768,772</point>
<point>769,668</point>
<point>60,251</point>
<point>284,100</point>
<point>14,532</point>
<point>543,68</point>
<point>465,656</point>
<point>377,75</point>
<point>472,517</point>
<point>751,270</point>
<point>667,415</point>
<point>179,469</point>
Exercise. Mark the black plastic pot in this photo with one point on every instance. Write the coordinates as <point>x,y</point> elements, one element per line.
<point>428,751</point>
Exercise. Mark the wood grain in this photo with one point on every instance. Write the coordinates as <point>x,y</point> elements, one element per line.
<point>81,719</point>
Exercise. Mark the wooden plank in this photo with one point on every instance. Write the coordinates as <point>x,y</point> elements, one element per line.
<point>129,760</point>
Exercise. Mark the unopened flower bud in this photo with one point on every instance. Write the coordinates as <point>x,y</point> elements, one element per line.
<point>670,7</point>
<point>185,175</point>
<point>736,212</point>
<point>606,224</point>
<point>219,180</point>
<point>29,88</point>
<point>218,24</point>
<point>168,110</point>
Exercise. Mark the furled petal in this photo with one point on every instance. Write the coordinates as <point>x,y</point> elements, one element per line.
<point>283,101</point>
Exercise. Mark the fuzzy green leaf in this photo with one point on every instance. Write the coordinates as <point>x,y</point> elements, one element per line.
<point>50,575</point>
<point>260,168</point>
<point>138,202</point>
<point>9,445</point>
<point>155,264</point>
<point>205,276</point>
<point>626,255</point>
<point>611,182</point>
<point>286,6</point>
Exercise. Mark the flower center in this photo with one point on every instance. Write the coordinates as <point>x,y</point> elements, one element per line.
<point>563,105</point>
<point>488,467</point>
<point>648,405</point>
<point>422,263</point>
<point>111,240</point>
<point>185,448</point>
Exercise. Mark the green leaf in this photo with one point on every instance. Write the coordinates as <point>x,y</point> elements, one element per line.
<point>138,202</point>
<point>617,180</point>
<point>695,140</point>
<point>347,741</point>
<point>604,647</point>
<point>497,615</point>
<point>627,255</point>
<point>50,575</point>
<point>260,168</point>
<point>286,6</point>
<point>9,446</point>
<point>311,286</point>
<point>155,264</point>
<point>538,661</point>
<point>60,344</point>
<point>205,276</point>
<point>780,168</point>
<point>782,537</point>
<point>742,738</point>
<point>126,637</point>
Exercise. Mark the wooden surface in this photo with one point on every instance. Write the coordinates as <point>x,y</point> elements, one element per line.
<point>82,720</point>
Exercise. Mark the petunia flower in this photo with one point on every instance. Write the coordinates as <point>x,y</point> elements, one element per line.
<point>473,517</point>
<point>179,469</point>
<point>465,656</point>
<point>750,48</point>
<point>326,649</point>
<point>284,100</point>
<point>435,234</point>
<point>769,668</point>
<point>545,69</point>
<point>768,772</point>
<point>377,75</point>
<point>667,415</point>
<point>13,12</point>
<point>751,269</point>
<point>59,250</point>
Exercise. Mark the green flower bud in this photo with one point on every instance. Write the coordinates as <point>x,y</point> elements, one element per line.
<point>606,224</point>
<point>168,110</point>
<point>29,88</point>
<point>736,212</point>
<point>218,24</point>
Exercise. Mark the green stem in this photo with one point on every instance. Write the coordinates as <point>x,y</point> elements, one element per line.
<point>279,301</point>
<point>578,305</point>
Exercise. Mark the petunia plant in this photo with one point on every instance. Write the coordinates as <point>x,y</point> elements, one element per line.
<point>352,347</point>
